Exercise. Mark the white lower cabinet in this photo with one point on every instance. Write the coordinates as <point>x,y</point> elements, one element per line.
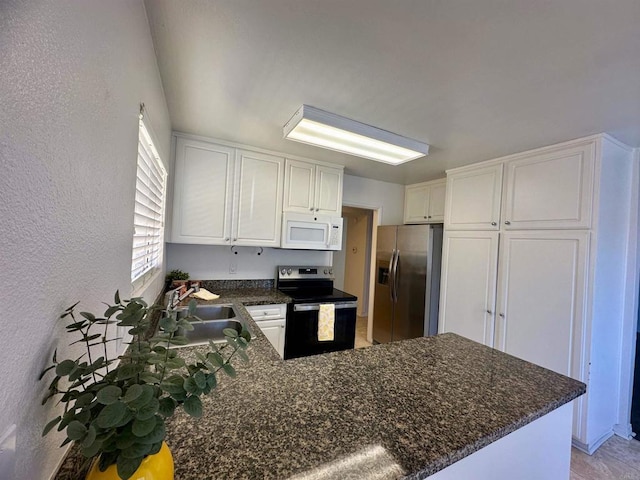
<point>272,320</point>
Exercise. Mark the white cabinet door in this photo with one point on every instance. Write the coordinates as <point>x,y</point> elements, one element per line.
<point>311,188</point>
<point>473,199</point>
<point>437,195</point>
<point>257,218</point>
<point>299,187</point>
<point>540,299</point>
<point>274,330</point>
<point>551,190</point>
<point>424,202</point>
<point>468,285</point>
<point>202,198</point>
<point>328,191</point>
<point>416,202</point>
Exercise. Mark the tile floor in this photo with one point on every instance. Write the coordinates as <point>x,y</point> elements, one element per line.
<point>361,333</point>
<point>616,459</point>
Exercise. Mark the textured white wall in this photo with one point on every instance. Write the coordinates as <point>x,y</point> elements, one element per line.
<point>364,192</point>
<point>211,262</point>
<point>72,75</point>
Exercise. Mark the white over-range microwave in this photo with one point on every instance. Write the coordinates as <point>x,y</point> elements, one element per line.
<point>311,232</point>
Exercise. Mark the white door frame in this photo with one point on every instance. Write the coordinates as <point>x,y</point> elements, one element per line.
<point>375,222</point>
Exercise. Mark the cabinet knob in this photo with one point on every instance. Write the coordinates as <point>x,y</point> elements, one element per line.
<point>493,224</point>
<point>226,239</point>
<point>317,209</point>
<point>502,315</point>
<point>489,312</point>
<point>507,222</point>
<point>235,239</point>
<point>311,209</point>
<point>429,216</point>
<point>424,217</point>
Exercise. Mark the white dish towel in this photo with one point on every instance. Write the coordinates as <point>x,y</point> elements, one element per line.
<point>326,322</point>
<point>204,294</point>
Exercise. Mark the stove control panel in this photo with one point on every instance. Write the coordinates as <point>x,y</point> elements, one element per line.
<point>291,272</point>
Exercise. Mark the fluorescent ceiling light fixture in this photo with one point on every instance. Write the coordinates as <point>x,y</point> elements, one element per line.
<point>328,130</point>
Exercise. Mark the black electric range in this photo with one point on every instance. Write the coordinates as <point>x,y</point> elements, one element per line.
<point>310,287</point>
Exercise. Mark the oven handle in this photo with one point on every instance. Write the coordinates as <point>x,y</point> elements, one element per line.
<point>310,307</point>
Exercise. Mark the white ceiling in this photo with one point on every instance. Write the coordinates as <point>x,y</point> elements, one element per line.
<point>476,79</point>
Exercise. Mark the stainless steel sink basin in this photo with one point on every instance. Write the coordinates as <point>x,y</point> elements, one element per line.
<point>211,312</point>
<point>215,318</point>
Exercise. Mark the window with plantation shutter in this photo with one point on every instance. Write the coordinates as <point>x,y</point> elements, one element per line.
<point>148,237</point>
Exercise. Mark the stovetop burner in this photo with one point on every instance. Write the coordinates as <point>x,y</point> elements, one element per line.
<point>305,284</point>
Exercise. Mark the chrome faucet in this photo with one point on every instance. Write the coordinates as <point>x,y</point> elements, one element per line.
<point>174,297</point>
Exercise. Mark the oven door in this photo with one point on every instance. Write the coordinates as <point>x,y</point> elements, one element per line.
<point>301,334</point>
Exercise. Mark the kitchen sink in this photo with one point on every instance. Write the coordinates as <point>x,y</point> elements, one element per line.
<point>215,318</point>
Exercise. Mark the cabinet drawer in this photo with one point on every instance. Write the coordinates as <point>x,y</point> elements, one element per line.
<point>267,312</point>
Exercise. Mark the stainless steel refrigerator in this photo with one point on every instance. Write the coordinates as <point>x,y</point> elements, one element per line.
<point>407,288</point>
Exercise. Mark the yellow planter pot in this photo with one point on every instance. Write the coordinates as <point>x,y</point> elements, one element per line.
<point>154,467</point>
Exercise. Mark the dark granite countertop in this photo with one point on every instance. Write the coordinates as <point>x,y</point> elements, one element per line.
<point>400,410</point>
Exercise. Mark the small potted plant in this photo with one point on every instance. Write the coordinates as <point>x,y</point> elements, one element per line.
<point>115,409</point>
<point>177,278</point>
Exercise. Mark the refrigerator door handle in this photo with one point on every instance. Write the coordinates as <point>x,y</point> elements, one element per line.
<point>395,276</point>
<point>391,279</point>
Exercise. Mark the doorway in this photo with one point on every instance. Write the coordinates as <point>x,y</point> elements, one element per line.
<point>352,265</point>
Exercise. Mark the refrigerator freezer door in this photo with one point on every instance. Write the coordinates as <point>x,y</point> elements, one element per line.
<point>414,245</point>
<point>383,301</point>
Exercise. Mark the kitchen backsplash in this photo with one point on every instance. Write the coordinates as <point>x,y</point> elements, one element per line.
<point>217,285</point>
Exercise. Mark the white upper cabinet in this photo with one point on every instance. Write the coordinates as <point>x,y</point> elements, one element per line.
<point>424,202</point>
<point>473,199</point>
<point>312,188</point>
<point>550,190</point>
<point>226,196</point>
<point>202,198</point>
<point>257,215</point>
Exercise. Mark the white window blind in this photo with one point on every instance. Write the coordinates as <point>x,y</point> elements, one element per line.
<point>148,237</point>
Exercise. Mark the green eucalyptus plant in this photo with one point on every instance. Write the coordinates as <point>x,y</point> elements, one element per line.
<point>117,408</point>
<point>176,275</point>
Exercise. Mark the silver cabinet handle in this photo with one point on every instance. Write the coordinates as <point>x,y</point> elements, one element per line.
<point>311,307</point>
<point>493,224</point>
<point>507,222</point>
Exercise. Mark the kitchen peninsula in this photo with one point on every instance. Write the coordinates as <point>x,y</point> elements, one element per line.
<point>429,407</point>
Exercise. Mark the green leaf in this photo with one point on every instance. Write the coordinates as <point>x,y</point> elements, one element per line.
<point>136,450</point>
<point>129,370</point>
<point>110,311</point>
<point>65,367</point>
<point>149,410</point>
<point>193,406</point>
<point>168,324</point>
<point>156,435</point>
<point>147,394</point>
<point>92,450</point>
<point>167,406</point>
<point>141,428</point>
<point>126,467</point>
<point>150,377</point>
<point>200,380</point>
<point>186,325</point>
<point>190,385</point>
<point>193,304</point>
<point>76,430</point>
<point>50,425</point>
<point>179,340</point>
<point>155,448</point>
<point>111,415</point>
<point>229,370</point>
<point>89,316</point>
<point>109,394</point>
<point>133,392</point>
<point>243,355</point>
<point>116,297</point>
<point>216,359</point>
<point>90,438</point>
<point>173,384</point>
<point>211,380</point>
<point>84,400</point>
<point>42,374</point>
<point>230,332</point>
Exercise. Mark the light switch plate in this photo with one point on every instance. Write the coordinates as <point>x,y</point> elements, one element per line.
<point>8,453</point>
